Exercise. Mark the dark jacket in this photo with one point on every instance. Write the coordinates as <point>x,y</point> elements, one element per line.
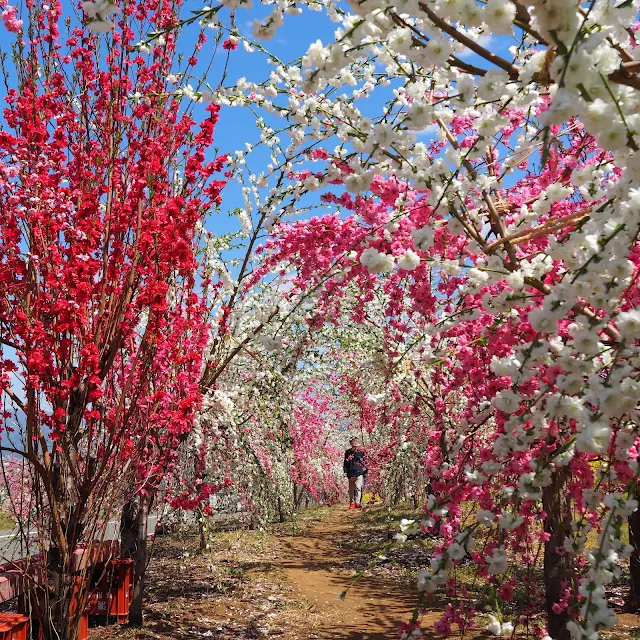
<point>354,463</point>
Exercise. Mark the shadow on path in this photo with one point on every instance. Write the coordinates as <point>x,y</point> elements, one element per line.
<point>318,569</point>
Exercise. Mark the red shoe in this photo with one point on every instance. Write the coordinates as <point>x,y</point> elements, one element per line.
<point>358,506</point>
<point>352,506</point>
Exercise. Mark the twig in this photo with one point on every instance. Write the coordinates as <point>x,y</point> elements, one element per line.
<point>15,398</point>
<point>9,344</point>
<point>495,219</point>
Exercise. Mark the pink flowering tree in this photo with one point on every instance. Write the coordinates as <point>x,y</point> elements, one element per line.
<point>266,434</point>
<point>18,502</point>
<point>482,231</point>
<point>493,205</point>
<point>471,309</point>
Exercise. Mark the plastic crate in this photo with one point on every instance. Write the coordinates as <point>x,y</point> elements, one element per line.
<point>13,626</point>
<point>112,593</point>
<point>77,597</point>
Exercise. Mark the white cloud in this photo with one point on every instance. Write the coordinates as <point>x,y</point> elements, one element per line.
<point>485,41</point>
<point>427,132</point>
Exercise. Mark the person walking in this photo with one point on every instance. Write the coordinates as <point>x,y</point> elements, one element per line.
<point>355,468</point>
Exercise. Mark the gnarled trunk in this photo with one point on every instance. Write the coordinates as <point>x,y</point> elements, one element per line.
<point>133,535</point>
<point>558,566</point>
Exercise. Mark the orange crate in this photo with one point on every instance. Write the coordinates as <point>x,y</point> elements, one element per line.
<point>80,585</point>
<point>13,626</point>
<point>112,594</point>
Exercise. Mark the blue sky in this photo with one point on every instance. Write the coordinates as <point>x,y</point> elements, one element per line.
<point>237,125</point>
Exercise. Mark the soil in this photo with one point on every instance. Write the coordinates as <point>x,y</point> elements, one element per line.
<point>285,583</point>
<point>318,569</point>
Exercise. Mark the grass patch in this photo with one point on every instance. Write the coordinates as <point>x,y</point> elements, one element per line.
<point>6,522</point>
<point>302,521</point>
<point>381,515</point>
<point>594,534</point>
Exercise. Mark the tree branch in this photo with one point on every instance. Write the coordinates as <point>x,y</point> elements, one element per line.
<point>9,344</point>
<point>510,68</point>
<point>15,398</point>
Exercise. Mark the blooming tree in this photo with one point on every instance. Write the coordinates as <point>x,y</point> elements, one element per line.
<point>484,218</point>
<point>512,231</point>
<point>101,323</point>
<point>496,379</point>
<point>267,430</point>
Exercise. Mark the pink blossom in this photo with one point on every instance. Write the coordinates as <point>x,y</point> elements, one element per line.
<point>11,21</point>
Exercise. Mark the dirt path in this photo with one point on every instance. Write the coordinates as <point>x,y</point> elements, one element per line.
<point>318,567</point>
<point>272,584</point>
<point>318,570</point>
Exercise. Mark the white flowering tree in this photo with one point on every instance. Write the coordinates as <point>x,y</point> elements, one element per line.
<point>515,201</point>
<point>268,430</point>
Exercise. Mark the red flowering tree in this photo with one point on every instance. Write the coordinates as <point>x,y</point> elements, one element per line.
<point>101,322</point>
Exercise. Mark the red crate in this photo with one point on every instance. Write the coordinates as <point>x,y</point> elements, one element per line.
<point>13,626</point>
<point>79,591</point>
<point>112,594</point>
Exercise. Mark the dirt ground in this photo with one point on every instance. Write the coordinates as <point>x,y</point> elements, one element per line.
<point>285,583</point>
<point>318,568</point>
<point>282,583</point>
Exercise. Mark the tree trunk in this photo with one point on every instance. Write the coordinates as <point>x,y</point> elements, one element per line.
<point>56,609</point>
<point>281,514</point>
<point>558,566</point>
<point>56,613</point>
<point>298,493</point>
<point>632,604</point>
<point>202,529</point>
<point>128,529</point>
<point>295,496</point>
<point>397,495</point>
<point>133,534</point>
<point>140,564</point>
